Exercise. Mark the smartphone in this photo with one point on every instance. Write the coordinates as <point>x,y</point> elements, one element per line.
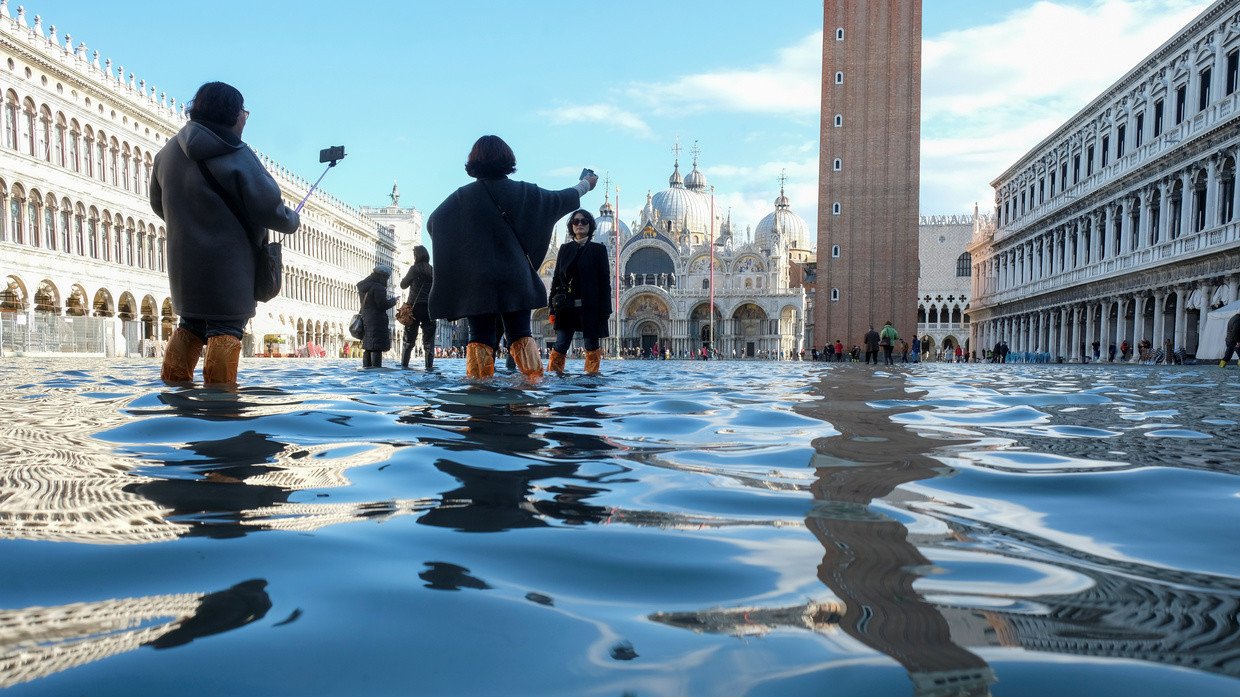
<point>586,172</point>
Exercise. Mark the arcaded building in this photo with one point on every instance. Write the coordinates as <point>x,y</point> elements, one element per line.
<point>82,256</point>
<point>868,168</point>
<point>1121,225</point>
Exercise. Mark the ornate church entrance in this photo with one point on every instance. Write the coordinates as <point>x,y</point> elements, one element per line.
<point>649,333</point>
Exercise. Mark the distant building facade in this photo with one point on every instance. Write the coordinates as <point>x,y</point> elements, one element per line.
<point>945,283</point>
<point>666,283</point>
<point>868,168</point>
<point>83,257</point>
<point>1121,225</point>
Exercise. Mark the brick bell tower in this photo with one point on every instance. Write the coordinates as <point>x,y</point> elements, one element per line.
<point>868,165</point>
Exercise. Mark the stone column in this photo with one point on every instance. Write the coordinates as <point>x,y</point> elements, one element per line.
<point>1125,226</point>
<point>1089,330</point>
<point>1104,336</point>
<point>1090,249</point>
<point>1206,292</point>
<point>1211,203</point>
<point>1121,322</point>
<point>1144,225</point>
<point>1163,232</point>
<point>1186,203</point>
<point>1104,248</point>
<point>1181,317</point>
<point>1160,318</point>
<point>1235,193</point>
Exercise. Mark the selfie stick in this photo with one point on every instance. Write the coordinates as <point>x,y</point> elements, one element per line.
<point>334,154</point>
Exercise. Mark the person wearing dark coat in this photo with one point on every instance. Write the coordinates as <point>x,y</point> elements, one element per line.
<point>485,236</point>
<point>372,291</point>
<point>583,275</point>
<point>871,346</point>
<point>211,254</point>
<point>419,279</point>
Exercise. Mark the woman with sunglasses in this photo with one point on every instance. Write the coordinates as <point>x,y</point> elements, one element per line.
<point>581,278</point>
<point>485,236</point>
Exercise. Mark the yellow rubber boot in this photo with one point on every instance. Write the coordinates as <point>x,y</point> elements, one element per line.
<point>593,359</point>
<point>555,364</point>
<point>525,353</point>
<point>220,365</point>
<point>181,356</point>
<point>479,361</point>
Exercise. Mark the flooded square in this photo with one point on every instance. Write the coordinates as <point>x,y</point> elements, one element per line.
<point>669,528</point>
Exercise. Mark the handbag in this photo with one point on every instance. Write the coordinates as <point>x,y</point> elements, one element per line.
<point>562,290</point>
<point>268,257</point>
<point>357,328</point>
<point>404,314</point>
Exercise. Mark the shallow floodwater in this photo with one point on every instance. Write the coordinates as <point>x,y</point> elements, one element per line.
<point>671,528</point>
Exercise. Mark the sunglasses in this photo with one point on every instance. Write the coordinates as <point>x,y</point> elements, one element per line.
<point>581,221</point>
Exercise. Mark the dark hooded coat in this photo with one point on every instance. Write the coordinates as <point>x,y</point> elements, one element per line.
<point>589,278</point>
<point>483,265</point>
<point>372,293</point>
<point>211,256</point>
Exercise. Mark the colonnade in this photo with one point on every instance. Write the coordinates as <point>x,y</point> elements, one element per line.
<point>1067,331</point>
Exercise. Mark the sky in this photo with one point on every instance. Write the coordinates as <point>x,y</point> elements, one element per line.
<point>407,86</point>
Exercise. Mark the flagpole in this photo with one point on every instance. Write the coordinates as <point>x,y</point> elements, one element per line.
<point>714,336</point>
<point>616,315</point>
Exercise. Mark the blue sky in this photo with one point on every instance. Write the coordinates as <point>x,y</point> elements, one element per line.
<point>408,86</point>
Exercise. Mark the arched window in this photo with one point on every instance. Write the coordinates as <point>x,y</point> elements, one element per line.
<point>964,265</point>
<point>16,203</point>
<point>58,142</point>
<point>43,140</point>
<point>835,294</point>
<point>839,34</point>
<point>839,77</point>
<point>101,149</point>
<point>74,162</point>
<point>10,121</point>
<point>838,164</point>
<point>835,208</point>
<point>835,251</point>
<point>28,127</point>
<point>839,120</point>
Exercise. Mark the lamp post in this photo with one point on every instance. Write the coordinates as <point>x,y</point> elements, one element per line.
<point>616,309</point>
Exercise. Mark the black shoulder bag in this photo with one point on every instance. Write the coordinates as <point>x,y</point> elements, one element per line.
<point>562,286</point>
<point>508,221</point>
<point>268,259</point>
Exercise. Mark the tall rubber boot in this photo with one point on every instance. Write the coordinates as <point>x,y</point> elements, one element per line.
<point>555,364</point>
<point>181,356</point>
<point>406,350</point>
<point>593,359</point>
<point>479,360</point>
<point>429,350</point>
<point>524,352</point>
<point>376,359</point>
<point>220,365</point>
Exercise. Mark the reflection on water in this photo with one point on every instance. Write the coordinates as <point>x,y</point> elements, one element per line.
<point>670,529</point>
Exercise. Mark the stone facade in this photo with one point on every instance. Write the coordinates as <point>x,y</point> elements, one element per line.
<point>1120,227</point>
<point>82,266</point>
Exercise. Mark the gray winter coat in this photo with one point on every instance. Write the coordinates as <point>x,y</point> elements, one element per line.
<point>211,257</point>
<point>372,293</point>
<point>482,267</point>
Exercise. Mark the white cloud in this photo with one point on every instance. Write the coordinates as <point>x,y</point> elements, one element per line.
<point>991,93</point>
<point>606,114</point>
<point>789,86</point>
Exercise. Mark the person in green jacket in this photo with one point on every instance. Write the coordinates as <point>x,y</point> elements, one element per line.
<point>887,339</point>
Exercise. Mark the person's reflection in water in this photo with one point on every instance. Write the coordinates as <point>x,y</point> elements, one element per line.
<point>219,612</point>
<point>221,491</point>
<point>868,560</point>
<point>442,576</point>
<point>490,500</point>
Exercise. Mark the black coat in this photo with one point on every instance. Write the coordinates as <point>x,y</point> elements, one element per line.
<point>871,340</point>
<point>372,293</point>
<point>419,284</point>
<point>482,263</point>
<point>590,280</point>
<point>210,255</point>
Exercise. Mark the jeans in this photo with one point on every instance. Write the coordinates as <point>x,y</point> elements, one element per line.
<point>206,328</point>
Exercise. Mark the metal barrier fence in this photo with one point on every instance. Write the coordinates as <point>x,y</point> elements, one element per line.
<point>48,333</point>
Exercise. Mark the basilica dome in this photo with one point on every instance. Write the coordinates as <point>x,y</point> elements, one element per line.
<point>686,210</point>
<point>790,226</point>
<point>605,231</point>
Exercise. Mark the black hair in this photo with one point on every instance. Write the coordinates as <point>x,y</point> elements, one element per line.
<point>217,102</point>
<point>588,216</point>
<point>490,158</point>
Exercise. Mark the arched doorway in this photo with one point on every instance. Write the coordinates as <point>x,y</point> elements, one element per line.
<point>648,336</point>
<point>750,323</point>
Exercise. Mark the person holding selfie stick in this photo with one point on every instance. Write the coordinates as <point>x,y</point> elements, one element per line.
<point>580,293</point>
<point>218,202</point>
<point>485,237</point>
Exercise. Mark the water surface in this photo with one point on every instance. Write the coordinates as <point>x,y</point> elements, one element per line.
<point>671,528</point>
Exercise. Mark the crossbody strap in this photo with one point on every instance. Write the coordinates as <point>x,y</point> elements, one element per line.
<point>563,273</point>
<point>508,221</point>
<point>228,200</point>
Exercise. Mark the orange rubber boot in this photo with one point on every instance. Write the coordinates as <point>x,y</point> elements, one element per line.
<point>181,356</point>
<point>220,365</point>
<point>525,353</point>
<point>593,359</point>
<point>479,361</point>
<point>555,364</point>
